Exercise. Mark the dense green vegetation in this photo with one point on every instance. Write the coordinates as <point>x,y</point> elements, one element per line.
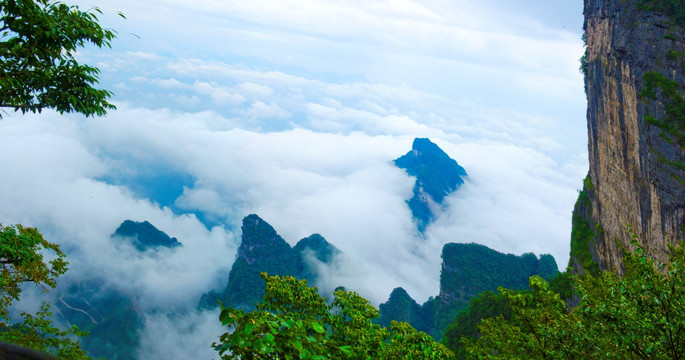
<point>38,70</point>
<point>638,316</point>
<point>674,9</point>
<point>21,261</point>
<point>294,322</point>
<point>669,93</point>
<point>401,307</point>
<point>263,250</point>
<point>470,269</point>
<point>491,305</point>
<point>582,232</point>
<point>38,43</point>
<point>486,305</point>
<point>467,271</point>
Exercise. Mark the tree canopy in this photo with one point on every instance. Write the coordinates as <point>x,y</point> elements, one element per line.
<point>294,322</point>
<point>638,316</point>
<point>38,70</point>
<point>22,251</point>
<point>38,66</point>
<point>21,258</point>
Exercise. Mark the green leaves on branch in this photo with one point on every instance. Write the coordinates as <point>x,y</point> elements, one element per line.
<point>38,333</point>
<point>38,69</point>
<point>21,260</point>
<point>638,316</point>
<point>295,322</point>
<point>22,252</point>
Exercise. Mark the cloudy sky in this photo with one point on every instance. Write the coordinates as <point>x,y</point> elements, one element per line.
<point>294,110</point>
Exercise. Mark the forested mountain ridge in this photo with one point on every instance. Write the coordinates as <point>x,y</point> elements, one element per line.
<point>467,270</point>
<point>263,250</point>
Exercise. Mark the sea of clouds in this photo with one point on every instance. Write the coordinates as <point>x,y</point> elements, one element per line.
<point>296,116</point>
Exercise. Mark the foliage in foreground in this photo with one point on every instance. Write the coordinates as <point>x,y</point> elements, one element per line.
<point>21,260</point>
<point>294,322</point>
<point>638,316</point>
<point>486,305</point>
<point>38,68</point>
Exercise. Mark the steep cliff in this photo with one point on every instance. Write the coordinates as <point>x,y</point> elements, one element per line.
<point>634,67</point>
<point>263,250</point>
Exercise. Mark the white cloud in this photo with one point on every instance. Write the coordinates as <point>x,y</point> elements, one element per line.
<point>188,336</point>
<point>53,186</point>
<point>294,110</point>
<point>170,83</point>
<point>257,91</point>
<point>260,110</point>
<point>345,187</point>
<point>219,94</point>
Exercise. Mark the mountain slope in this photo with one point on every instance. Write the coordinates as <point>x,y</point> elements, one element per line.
<point>263,250</point>
<point>467,270</point>
<point>111,315</point>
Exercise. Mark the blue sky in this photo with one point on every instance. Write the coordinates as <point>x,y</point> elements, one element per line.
<point>294,110</point>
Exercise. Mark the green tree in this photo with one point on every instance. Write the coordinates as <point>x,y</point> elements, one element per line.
<point>22,252</point>
<point>638,316</point>
<point>294,322</point>
<point>21,257</point>
<point>486,305</point>
<point>38,68</point>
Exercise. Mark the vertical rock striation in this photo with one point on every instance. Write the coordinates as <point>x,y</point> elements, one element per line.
<point>634,69</point>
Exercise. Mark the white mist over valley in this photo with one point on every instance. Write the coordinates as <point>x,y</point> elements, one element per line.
<point>295,111</point>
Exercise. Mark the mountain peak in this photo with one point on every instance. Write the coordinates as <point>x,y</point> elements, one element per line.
<point>260,240</point>
<point>437,175</point>
<point>144,236</point>
<point>263,250</point>
<point>401,307</point>
<point>319,246</point>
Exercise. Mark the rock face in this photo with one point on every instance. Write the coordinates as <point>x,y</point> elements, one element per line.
<point>634,69</point>
<point>263,250</point>
<point>437,175</point>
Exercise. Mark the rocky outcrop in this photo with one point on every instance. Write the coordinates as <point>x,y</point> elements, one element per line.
<point>437,175</point>
<point>634,67</point>
<point>263,250</point>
